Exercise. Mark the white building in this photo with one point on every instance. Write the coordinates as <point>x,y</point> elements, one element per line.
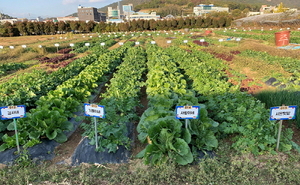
<point>144,16</point>
<point>12,21</point>
<point>117,21</point>
<point>203,9</point>
<point>69,18</point>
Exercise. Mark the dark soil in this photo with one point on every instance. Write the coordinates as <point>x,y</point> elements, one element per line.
<point>137,146</point>
<point>205,44</point>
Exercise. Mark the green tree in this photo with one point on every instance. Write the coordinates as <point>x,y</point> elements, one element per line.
<point>38,28</point>
<point>193,22</point>
<point>180,23</point>
<point>108,27</point>
<point>199,22</point>
<point>152,24</point>
<point>140,24</point>
<point>133,25</point>
<point>90,26</point>
<point>222,22</point>
<point>74,25</point>
<point>174,23</point>
<point>207,22</point>
<point>30,28</point>
<point>124,26</point>
<point>187,23</point>
<point>228,21</point>
<point>102,27</point>
<point>161,25</point>
<point>169,24</point>
<point>53,28</point>
<point>82,26</point>
<point>114,27</point>
<point>146,25</point>
<point>215,22</point>
<point>8,30</point>
<point>237,14</point>
<point>2,30</point>
<point>22,28</point>
<point>47,28</point>
<point>61,26</point>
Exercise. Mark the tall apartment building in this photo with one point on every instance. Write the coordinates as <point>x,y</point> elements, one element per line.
<point>90,14</point>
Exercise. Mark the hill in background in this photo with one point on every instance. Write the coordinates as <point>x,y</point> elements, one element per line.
<point>187,5</point>
<point>146,4</point>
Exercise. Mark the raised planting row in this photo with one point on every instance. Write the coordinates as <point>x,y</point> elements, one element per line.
<point>27,88</point>
<point>120,100</point>
<point>208,70</point>
<point>169,138</point>
<point>81,47</point>
<point>238,113</point>
<point>5,68</point>
<point>56,60</point>
<point>50,118</point>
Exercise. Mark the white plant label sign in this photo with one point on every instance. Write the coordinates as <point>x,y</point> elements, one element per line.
<point>187,112</point>
<point>283,113</point>
<point>93,110</point>
<point>13,112</point>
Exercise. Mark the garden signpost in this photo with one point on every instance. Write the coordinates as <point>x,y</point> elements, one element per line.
<point>96,111</point>
<point>13,112</point>
<point>187,112</point>
<point>56,45</point>
<point>282,113</point>
<point>72,45</point>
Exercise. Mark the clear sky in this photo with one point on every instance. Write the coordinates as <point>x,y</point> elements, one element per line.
<point>47,8</point>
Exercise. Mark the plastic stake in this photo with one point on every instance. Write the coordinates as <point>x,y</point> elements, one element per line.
<point>279,133</point>
<point>17,138</point>
<point>96,134</point>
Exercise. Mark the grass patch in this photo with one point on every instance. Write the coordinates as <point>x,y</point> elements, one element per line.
<point>279,97</point>
<point>226,168</point>
<point>260,68</point>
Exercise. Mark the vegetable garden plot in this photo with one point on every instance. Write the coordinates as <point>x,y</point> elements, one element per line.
<point>6,68</point>
<point>50,118</point>
<point>289,64</point>
<point>167,138</point>
<point>174,77</point>
<point>120,100</point>
<point>237,113</point>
